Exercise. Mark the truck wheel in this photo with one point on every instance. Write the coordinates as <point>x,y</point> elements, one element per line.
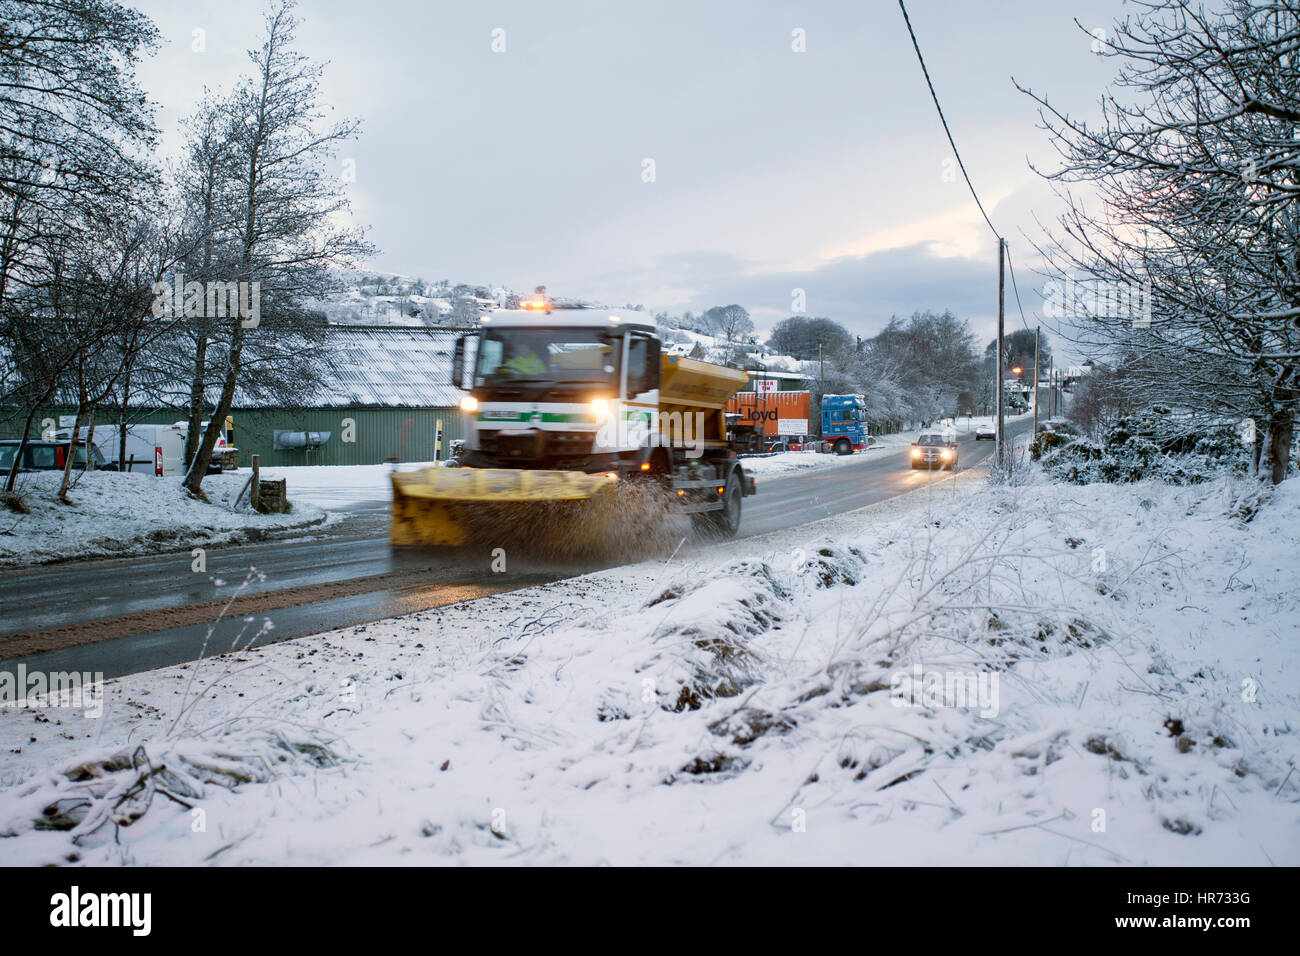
<point>842,447</point>
<point>725,522</point>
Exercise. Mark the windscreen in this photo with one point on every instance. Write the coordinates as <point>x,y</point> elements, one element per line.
<point>42,456</point>
<point>573,356</point>
<point>80,456</point>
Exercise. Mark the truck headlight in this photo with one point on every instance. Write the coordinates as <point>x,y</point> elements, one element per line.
<point>600,408</point>
<point>469,404</point>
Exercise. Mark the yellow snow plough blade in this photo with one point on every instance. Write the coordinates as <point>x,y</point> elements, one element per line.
<point>451,507</point>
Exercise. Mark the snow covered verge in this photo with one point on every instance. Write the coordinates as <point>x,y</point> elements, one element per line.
<point>336,486</point>
<point>113,515</point>
<point>1040,674</point>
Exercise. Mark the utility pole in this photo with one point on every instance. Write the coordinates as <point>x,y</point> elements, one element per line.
<point>1037,331</point>
<point>999,448</point>
<point>821,396</point>
<point>1051,388</point>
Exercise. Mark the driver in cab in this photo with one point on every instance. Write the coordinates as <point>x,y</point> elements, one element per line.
<point>525,362</point>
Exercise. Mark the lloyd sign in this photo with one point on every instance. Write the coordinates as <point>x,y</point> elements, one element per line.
<point>774,412</point>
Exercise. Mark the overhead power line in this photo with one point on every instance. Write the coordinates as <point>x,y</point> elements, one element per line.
<point>957,153</point>
<point>935,96</point>
<point>1015,288</point>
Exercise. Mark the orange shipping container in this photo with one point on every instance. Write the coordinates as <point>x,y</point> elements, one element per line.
<point>779,413</point>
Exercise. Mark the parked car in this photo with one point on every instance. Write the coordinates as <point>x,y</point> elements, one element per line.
<point>786,443</point>
<point>42,455</point>
<point>989,431</point>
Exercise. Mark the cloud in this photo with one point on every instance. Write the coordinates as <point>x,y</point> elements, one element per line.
<point>860,292</point>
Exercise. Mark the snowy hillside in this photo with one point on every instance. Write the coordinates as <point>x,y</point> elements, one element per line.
<point>1042,674</point>
<point>383,298</point>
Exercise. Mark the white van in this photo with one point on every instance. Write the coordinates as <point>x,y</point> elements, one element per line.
<point>150,449</point>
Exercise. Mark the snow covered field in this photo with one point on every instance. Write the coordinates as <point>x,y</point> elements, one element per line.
<point>113,514</point>
<point>1039,674</point>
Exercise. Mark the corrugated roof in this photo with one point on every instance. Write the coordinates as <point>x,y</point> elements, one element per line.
<point>395,366</point>
<point>398,366</point>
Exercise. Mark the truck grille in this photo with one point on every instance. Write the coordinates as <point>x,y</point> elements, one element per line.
<point>534,445</point>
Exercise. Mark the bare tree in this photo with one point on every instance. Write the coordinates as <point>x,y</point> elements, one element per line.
<point>1192,258</point>
<point>95,308</point>
<point>806,337</point>
<point>1101,399</point>
<point>73,125</point>
<point>929,360</point>
<point>286,237</point>
<point>728,322</point>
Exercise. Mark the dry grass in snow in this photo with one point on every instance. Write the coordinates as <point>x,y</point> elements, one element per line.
<point>1106,675</point>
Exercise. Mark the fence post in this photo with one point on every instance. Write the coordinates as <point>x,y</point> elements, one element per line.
<point>254,492</point>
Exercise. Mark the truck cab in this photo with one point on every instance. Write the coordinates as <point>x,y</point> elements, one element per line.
<point>844,423</point>
<point>569,388</point>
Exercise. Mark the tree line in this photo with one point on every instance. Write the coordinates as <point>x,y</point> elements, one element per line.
<point>185,285</point>
<point>916,370</point>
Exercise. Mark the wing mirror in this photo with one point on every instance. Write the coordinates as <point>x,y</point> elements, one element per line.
<point>458,364</point>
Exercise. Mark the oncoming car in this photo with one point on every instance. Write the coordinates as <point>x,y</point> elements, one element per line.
<point>935,449</point>
<point>988,431</point>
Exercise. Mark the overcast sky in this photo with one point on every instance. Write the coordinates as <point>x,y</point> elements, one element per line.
<point>773,170</point>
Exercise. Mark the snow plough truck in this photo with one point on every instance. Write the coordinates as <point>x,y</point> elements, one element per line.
<point>572,413</point>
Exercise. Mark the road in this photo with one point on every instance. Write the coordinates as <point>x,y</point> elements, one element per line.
<point>125,615</point>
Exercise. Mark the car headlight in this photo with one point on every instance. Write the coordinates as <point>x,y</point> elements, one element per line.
<point>469,404</point>
<point>600,408</point>
<point>916,453</point>
<point>945,453</point>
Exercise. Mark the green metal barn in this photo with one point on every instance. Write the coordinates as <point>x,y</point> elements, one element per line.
<point>390,388</point>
